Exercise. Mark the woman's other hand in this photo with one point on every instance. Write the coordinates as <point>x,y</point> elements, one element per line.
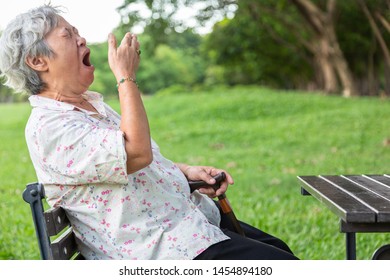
<point>206,173</point>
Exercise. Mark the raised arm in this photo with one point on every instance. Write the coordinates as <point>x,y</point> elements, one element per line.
<point>124,61</point>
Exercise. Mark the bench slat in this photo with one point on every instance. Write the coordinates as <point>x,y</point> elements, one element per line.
<point>65,246</point>
<point>56,220</point>
<point>362,189</point>
<point>381,188</point>
<point>374,183</point>
<point>352,211</point>
<point>383,180</point>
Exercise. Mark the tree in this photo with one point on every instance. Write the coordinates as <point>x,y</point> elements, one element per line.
<point>379,37</point>
<point>170,51</point>
<point>168,67</point>
<point>312,44</point>
<point>319,28</point>
<point>155,17</point>
<point>325,46</point>
<point>252,53</point>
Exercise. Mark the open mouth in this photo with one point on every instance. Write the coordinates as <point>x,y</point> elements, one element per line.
<point>86,60</point>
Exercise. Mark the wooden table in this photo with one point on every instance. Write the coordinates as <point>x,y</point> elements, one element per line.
<point>362,202</point>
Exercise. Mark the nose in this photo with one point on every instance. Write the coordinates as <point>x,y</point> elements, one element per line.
<point>81,41</point>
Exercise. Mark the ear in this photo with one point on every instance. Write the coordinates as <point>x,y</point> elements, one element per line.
<point>37,63</point>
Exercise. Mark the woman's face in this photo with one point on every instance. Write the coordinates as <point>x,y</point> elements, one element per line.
<point>69,68</point>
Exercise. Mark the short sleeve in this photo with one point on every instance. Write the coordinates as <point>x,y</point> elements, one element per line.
<point>75,149</point>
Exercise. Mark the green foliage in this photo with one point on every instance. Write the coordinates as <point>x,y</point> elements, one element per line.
<point>258,47</point>
<point>265,138</point>
<point>360,35</point>
<point>270,42</point>
<point>168,67</point>
<point>178,62</point>
<point>172,90</point>
<point>170,52</point>
<point>155,16</point>
<point>215,75</point>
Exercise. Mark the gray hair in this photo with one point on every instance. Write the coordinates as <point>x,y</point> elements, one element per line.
<point>22,38</point>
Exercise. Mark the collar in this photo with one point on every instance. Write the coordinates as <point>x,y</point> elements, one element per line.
<point>96,99</point>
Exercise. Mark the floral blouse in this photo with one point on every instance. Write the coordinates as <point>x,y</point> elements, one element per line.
<point>80,158</point>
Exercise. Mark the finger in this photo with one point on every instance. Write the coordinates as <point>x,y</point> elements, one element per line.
<point>112,44</point>
<point>208,191</point>
<point>134,41</point>
<point>137,46</point>
<point>225,184</point>
<point>126,39</point>
<point>206,177</point>
<point>229,178</point>
<point>222,189</point>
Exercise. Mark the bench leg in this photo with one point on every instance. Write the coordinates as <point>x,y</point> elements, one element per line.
<point>351,245</point>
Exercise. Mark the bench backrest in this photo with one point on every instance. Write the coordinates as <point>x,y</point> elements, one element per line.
<point>55,235</point>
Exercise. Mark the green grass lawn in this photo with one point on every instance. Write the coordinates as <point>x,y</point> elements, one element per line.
<point>264,138</point>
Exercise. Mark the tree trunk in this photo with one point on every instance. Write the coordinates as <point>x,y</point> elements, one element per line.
<point>328,50</point>
<point>372,81</point>
<point>386,89</point>
<point>327,73</point>
<point>344,73</point>
<point>384,22</point>
<point>382,44</point>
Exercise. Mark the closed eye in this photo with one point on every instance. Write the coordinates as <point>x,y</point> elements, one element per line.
<point>67,32</point>
<point>71,31</point>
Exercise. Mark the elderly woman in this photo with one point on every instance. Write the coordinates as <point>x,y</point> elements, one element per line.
<point>124,199</point>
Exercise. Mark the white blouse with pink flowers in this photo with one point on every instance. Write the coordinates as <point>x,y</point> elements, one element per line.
<point>80,158</point>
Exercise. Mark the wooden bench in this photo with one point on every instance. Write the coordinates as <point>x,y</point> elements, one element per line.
<point>362,202</point>
<point>54,232</point>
